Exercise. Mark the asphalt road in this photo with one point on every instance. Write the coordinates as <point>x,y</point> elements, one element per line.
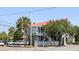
<point>62,48</point>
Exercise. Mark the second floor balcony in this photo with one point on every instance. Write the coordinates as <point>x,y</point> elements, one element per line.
<point>37,31</point>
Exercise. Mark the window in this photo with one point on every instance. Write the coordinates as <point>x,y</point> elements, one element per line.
<point>34,30</point>
<point>39,29</point>
<point>42,30</point>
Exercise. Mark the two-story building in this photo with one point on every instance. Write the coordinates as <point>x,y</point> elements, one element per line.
<point>38,36</point>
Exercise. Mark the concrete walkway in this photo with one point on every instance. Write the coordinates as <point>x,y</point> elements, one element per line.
<point>62,48</point>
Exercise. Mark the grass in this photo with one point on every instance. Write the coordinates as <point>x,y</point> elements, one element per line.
<point>76,43</point>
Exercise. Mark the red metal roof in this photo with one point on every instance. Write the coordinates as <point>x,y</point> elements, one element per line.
<point>39,24</point>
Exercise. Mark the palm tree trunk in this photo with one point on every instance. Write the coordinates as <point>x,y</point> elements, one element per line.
<point>24,36</point>
<point>25,42</point>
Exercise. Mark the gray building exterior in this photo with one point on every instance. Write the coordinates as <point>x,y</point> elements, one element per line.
<point>38,36</point>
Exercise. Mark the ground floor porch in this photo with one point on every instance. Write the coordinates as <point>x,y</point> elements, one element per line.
<point>48,41</point>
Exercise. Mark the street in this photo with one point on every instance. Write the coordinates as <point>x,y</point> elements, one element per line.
<point>53,48</point>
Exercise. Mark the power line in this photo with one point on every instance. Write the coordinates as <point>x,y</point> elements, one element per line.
<point>6,25</point>
<point>9,24</point>
<point>3,23</point>
<point>6,22</point>
<point>28,12</point>
<point>12,25</point>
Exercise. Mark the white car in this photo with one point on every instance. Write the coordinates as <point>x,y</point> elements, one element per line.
<point>16,43</point>
<point>1,43</point>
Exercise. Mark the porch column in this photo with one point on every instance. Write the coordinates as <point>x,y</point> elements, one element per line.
<point>65,43</point>
<point>63,39</point>
<point>73,38</point>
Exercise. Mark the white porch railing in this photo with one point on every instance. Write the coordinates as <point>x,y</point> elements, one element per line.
<point>46,43</point>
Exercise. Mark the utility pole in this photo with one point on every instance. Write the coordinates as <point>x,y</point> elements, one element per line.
<point>0,28</point>
<point>31,34</point>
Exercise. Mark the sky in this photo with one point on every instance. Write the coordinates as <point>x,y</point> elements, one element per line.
<point>72,13</point>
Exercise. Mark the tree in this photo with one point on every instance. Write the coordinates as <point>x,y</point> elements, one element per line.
<point>55,26</point>
<point>24,24</point>
<point>18,35</point>
<point>59,26</point>
<point>3,36</point>
<point>77,33</point>
<point>71,30</point>
<point>11,33</point>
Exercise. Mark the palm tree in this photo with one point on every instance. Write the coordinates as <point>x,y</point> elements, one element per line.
<point>24,24</point>
<point>11,32</point>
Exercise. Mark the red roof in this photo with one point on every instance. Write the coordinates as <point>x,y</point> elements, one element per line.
<point>39,24</point>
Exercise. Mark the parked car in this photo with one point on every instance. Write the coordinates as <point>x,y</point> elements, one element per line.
<point>17,43</point>
<point>2,43</point>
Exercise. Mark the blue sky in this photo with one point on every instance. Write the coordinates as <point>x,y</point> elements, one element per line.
<point>55,13</point>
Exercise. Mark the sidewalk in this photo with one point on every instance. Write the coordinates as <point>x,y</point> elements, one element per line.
<point>62,48</point>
